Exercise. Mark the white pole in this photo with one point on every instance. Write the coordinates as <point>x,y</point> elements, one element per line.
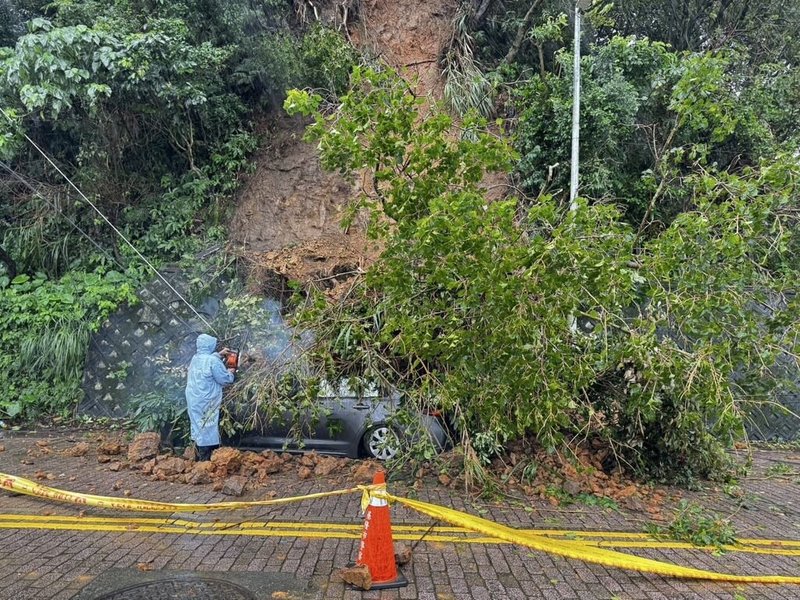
<point>576,111</point>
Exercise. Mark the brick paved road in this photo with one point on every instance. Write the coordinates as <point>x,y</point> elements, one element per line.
<point>56,565</point>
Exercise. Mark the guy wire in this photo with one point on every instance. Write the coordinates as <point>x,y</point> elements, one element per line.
<point>113,227</point>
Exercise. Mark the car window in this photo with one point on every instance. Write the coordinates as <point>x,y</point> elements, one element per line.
<point>342,389</point>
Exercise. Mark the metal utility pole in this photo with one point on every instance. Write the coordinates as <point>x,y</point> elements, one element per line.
<point>576,106</point>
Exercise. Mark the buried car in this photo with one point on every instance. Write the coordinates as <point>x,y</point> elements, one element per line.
<point>346,423</point>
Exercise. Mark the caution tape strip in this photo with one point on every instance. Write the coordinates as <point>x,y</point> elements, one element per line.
<point>452,535</point>
<point>578,550</point>
<point>31,488</point>
<point>574,549</point>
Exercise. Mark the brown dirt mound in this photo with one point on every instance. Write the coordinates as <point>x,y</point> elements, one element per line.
<point>409,35</point>
<point>287,220</point>
<point>289,200</point>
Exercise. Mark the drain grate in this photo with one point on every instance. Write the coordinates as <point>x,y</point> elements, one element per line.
<point>204,588</point>
<point>132,584</point>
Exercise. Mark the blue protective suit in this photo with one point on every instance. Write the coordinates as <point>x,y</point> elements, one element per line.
<point>207,375</point>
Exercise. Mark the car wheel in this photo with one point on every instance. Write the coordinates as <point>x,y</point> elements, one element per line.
<point>381,442</point>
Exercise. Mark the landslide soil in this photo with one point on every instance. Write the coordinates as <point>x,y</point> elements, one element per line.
<point>287,219</point>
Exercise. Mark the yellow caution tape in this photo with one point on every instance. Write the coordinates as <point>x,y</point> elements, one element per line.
<point>579,550</point>
<point>575,549</point>
<point>31,488</point>
<point>352,531</point>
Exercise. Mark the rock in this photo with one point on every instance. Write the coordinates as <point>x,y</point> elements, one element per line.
<point>170,466</point>
<point>445,479</point>
<point>326,465</point>
<point>403,555</point>
<point>115,466</point>
<point>358,576</point>
<point>365,472</point>
<point>198,478</point>
<point>226,461</point>
<point>148,467</point>
<point>144,446</point>
<point>304,472</point>
<point>2,448</point>
<point>190,453</point>
<point>571,487</point>
<point>110,448</point>
<point>234,485</point>
<point>217,486</point>
<point>102,459</point>
<point>79,449</point>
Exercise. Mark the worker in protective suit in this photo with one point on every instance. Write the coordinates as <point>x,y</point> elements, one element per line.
<point>207,375</point>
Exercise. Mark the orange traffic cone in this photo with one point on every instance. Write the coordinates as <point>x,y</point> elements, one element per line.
<point>377,549</point>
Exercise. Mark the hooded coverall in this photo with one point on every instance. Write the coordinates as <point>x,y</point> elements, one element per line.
<point>207,374</point>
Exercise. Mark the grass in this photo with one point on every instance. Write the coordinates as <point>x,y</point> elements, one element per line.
<point>694,525</point>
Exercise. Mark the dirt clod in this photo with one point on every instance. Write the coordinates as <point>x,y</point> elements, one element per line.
<point>170,466</point>
<point>326,465</point>
<point>110,448</point>
<point>365,472</point>
<point>79,449</point>
<point>226,461</point>
<point>144,446</point>
<point>358,576</point>
<point>403,554</point>
<point>234,485</point>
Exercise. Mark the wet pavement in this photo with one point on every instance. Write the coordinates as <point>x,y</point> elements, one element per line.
<point>58,552</point>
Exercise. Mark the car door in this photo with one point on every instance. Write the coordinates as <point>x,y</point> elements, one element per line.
<point>341,423</point>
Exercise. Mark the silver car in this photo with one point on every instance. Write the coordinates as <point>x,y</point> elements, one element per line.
<point>348,424</point>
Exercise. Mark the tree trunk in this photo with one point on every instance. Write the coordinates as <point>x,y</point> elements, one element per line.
<point>519,40</point>
<point>482,7</point>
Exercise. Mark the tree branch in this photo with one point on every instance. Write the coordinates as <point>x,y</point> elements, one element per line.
<point>519,40</point>
<point>480,12</point>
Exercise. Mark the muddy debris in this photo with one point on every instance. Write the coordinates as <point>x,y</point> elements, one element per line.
<point>327,465</point>
<point>226,461</point>
<point>403,555</point>
<point>110,448</point>
<point>169,466</point>
<point>234,485</point>
<point>79,449</point>
<point>358,576</point>
<point>144,446</point>
<point>365,471</point>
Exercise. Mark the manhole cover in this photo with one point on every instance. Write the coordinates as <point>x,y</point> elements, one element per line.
<point>180,589</point>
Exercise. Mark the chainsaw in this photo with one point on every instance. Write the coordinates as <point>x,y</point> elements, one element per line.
<point>231,359</point>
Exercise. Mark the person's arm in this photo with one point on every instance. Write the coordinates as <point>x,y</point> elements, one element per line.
<point>221,375</point>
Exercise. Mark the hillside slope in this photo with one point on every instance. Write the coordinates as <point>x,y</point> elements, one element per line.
<point>287,217</point>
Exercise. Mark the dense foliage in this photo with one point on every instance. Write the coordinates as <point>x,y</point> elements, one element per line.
<point>649,319</point>
<point>44,329</point>
<point>472,306</point>
<point>147,107</point>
